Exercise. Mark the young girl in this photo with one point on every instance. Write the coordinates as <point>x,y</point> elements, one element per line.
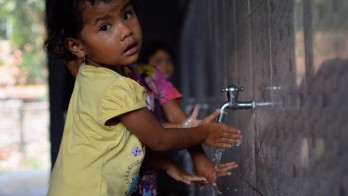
<point>168,101</point>
<point>158,53</point>
<point>107,123</point>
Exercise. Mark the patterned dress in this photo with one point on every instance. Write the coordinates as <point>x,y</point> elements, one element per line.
<point>159,91</point>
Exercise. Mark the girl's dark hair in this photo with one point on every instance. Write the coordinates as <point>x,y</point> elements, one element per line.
<point>64,19</point>
<point>151,48</point>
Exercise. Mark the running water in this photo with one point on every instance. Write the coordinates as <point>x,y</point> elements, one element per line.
<point>217,154</point>
<point>216,158</point>
<point>216,191</point>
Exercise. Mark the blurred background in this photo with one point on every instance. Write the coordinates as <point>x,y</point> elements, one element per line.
<point>24,108</point>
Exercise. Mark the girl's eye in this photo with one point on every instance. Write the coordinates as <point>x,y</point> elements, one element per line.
<point>127,15</point>
<point>105,27</point>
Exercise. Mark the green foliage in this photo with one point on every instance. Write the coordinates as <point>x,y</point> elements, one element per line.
<point>25,17</point>
<point>32,162</point>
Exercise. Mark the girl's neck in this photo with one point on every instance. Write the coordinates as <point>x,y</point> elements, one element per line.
<point>120,69</point>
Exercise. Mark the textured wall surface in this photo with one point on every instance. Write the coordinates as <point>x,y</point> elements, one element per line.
<point>292,54</point>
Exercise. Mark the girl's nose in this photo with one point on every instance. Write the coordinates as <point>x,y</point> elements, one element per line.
<point>125,31</point>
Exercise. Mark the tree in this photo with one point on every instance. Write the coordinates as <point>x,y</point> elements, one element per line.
<point>25,29</point>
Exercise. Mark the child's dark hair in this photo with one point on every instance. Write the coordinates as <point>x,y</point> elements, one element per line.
<point>151,48</point>
<point>63,20</point>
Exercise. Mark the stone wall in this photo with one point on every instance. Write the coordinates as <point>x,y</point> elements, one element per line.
<point>291,54</point>
<point>24,141</point>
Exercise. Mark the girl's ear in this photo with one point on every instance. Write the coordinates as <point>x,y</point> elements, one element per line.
<point>75,47</point>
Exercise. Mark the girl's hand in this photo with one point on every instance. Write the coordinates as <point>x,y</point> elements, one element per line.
<point>220,135</point>
<point>192,120</point>
<point>212,171</point>
<point>182,176</point>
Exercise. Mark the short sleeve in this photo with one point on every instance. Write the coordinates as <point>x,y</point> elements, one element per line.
<point>122,96</point>
<point>166,90</point>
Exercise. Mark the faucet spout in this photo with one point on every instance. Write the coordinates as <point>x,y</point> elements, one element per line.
<point>223,112</point>
<point>235,106</point>
<point>233,103</point>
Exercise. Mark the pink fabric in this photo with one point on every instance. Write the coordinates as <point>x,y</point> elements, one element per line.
<point>166,89</point>
<point>159,91</point>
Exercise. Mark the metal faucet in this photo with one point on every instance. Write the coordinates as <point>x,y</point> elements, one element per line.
<point>233,103</point>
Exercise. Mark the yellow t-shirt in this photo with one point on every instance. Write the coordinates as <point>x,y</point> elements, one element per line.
<point>95,159</point>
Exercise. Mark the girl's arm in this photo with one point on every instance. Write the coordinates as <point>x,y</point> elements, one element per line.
<point>146,127</point>
<point>174,112</point>
<point>159,161</point>
<point>203,165</point>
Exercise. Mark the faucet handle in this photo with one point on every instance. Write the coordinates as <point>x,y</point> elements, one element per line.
<point>232,89</point>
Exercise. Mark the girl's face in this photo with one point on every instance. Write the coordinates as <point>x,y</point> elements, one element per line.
<point>111,35</point>
<point>163,62</point>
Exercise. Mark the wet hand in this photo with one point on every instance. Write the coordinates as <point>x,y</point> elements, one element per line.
<point>220,135</point>
<point>182,176</point>
<point>212,171</point>
<point>192,120</point>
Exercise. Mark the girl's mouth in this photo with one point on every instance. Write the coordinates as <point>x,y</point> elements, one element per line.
<point>131,49</point>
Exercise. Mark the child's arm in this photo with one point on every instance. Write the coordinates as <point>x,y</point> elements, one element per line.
<point>147,128</point>
<point>203,165</point>
<point>181,120</point>
<point>159,161</point>
<point>174,112</point>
